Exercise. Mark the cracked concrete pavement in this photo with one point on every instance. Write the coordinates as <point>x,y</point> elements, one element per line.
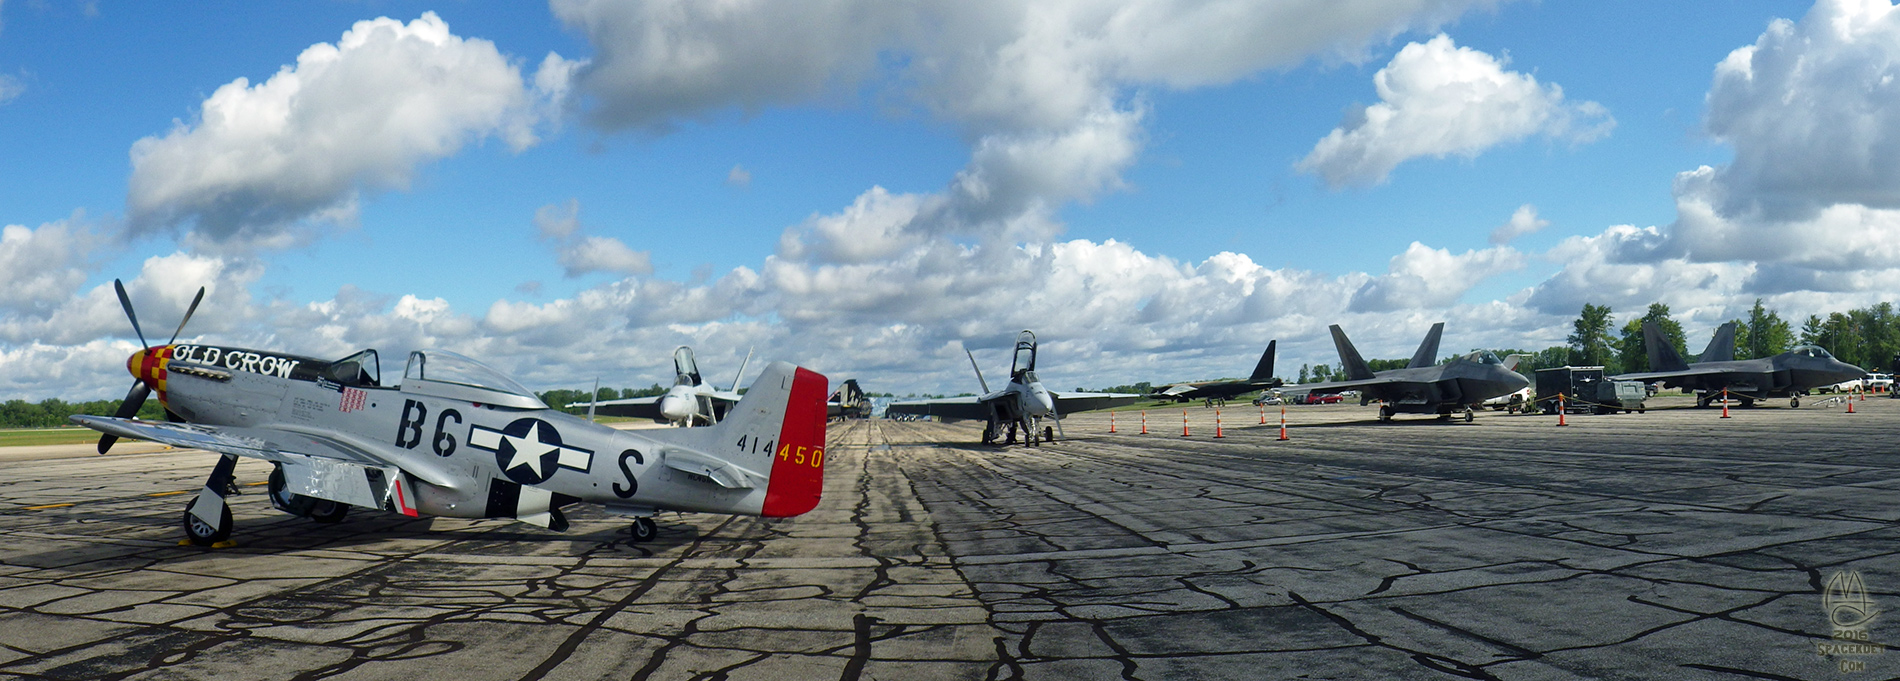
<point>1672,544</point>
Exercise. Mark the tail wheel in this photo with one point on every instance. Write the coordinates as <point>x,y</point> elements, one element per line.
<point>201,534</point>
<point>644,530</point>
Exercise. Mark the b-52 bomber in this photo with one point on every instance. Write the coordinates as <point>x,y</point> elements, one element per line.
<point>458,439</point>
<point>1220,391</point>
<point>1423,386</point>
<point>1790,374</point>
<point>690,402</point>
<point>1022,404</point>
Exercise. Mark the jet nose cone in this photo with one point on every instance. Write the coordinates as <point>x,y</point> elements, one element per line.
<point>675,408</point>
<point>1516,380</point>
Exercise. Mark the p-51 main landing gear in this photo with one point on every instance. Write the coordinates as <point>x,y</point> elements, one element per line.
<point>320,510</point>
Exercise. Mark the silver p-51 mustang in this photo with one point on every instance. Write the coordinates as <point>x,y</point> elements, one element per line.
<point>458,439</point>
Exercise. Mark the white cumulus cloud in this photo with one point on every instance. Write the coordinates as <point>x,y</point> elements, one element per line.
<point>1523,221</point>
<point>580,254</point>
<point>360,114</point>
<point>1438,99</point>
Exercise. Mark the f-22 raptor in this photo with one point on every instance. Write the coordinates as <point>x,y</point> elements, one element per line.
<point>1219,391</point>
<point>1790,374</point>
<point>1423,386</point>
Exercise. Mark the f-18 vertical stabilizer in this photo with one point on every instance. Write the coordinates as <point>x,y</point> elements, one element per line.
<point>1721,347</point>
<point>1427,354</point>
<point>1662,355</point>
<point>1349,359</point>
<point>1263,371</point>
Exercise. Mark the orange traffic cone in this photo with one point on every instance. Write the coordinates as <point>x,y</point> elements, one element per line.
<point>1217,428</point>
<point>1263,414</point>
<point>1283,423</point>
<point>1111,422</point>
<point>1184,431</point>
<point>1144,422</point>
<point>1850,406</point>
<point>1561,411</point>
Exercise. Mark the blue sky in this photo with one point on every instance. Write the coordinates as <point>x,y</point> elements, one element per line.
<point>1052,168</point>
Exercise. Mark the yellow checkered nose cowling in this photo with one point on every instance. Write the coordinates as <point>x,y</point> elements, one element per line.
<point>148,366</point>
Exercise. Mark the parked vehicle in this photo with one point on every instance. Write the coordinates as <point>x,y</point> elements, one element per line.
<point>1514,402</point>
<point>1846,386</point>
<point>1586,389</point>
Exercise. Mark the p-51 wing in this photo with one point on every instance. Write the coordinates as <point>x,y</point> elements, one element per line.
<point>313,465</point>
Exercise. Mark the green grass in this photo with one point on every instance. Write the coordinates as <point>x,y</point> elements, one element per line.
<point>64,435</point>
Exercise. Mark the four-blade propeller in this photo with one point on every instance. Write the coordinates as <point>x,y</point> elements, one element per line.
<point>135,398</point>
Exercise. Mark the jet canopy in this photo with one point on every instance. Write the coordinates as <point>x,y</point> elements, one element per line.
<point>1025,359</point>
<point>685,370</point>
<point>1484,357</point>
<point>446,374</point>
<point>1814,351</point>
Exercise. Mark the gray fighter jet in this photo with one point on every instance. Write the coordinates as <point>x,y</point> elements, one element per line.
<point>848,402</point>
<point>1219,391</point>
<point>1023,403</point>
<point>690,402</point>
<point>1790,374</point>
<point>458,439</point>
<point>1423,386</point>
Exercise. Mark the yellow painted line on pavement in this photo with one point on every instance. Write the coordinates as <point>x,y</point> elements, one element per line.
<point>165,494</point>
<point>42,508</point>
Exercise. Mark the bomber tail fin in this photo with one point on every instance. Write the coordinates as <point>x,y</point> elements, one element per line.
<point>1721,347</point>
<point>1662,355</point>
<point>1427,353</point>
<point>1350,362</point>
<point>1263,371</point>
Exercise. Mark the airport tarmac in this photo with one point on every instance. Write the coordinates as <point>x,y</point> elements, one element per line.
<point>1673,544</point>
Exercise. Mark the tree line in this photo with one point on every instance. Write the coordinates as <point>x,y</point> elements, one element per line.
<point>1867,337</point>
<point>54,412</point>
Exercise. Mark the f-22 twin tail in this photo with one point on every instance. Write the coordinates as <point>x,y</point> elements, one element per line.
<point>458,439</point>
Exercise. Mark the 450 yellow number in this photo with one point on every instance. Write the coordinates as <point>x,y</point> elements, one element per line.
<point>802,455</point>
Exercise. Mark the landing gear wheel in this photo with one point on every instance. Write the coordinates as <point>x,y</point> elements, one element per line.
<point>1794,402</point>
<point>1048,434</point>
<point>989,434</point>
<point>1385,412</point>
<point>328,512</point>
<point>1010,439</point>
<point>644,530</point>
<point>200,534</point>
<point>1468,415</point>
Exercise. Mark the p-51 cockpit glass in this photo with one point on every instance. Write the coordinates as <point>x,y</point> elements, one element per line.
<point>442,366</point>
<point>361,369</point>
